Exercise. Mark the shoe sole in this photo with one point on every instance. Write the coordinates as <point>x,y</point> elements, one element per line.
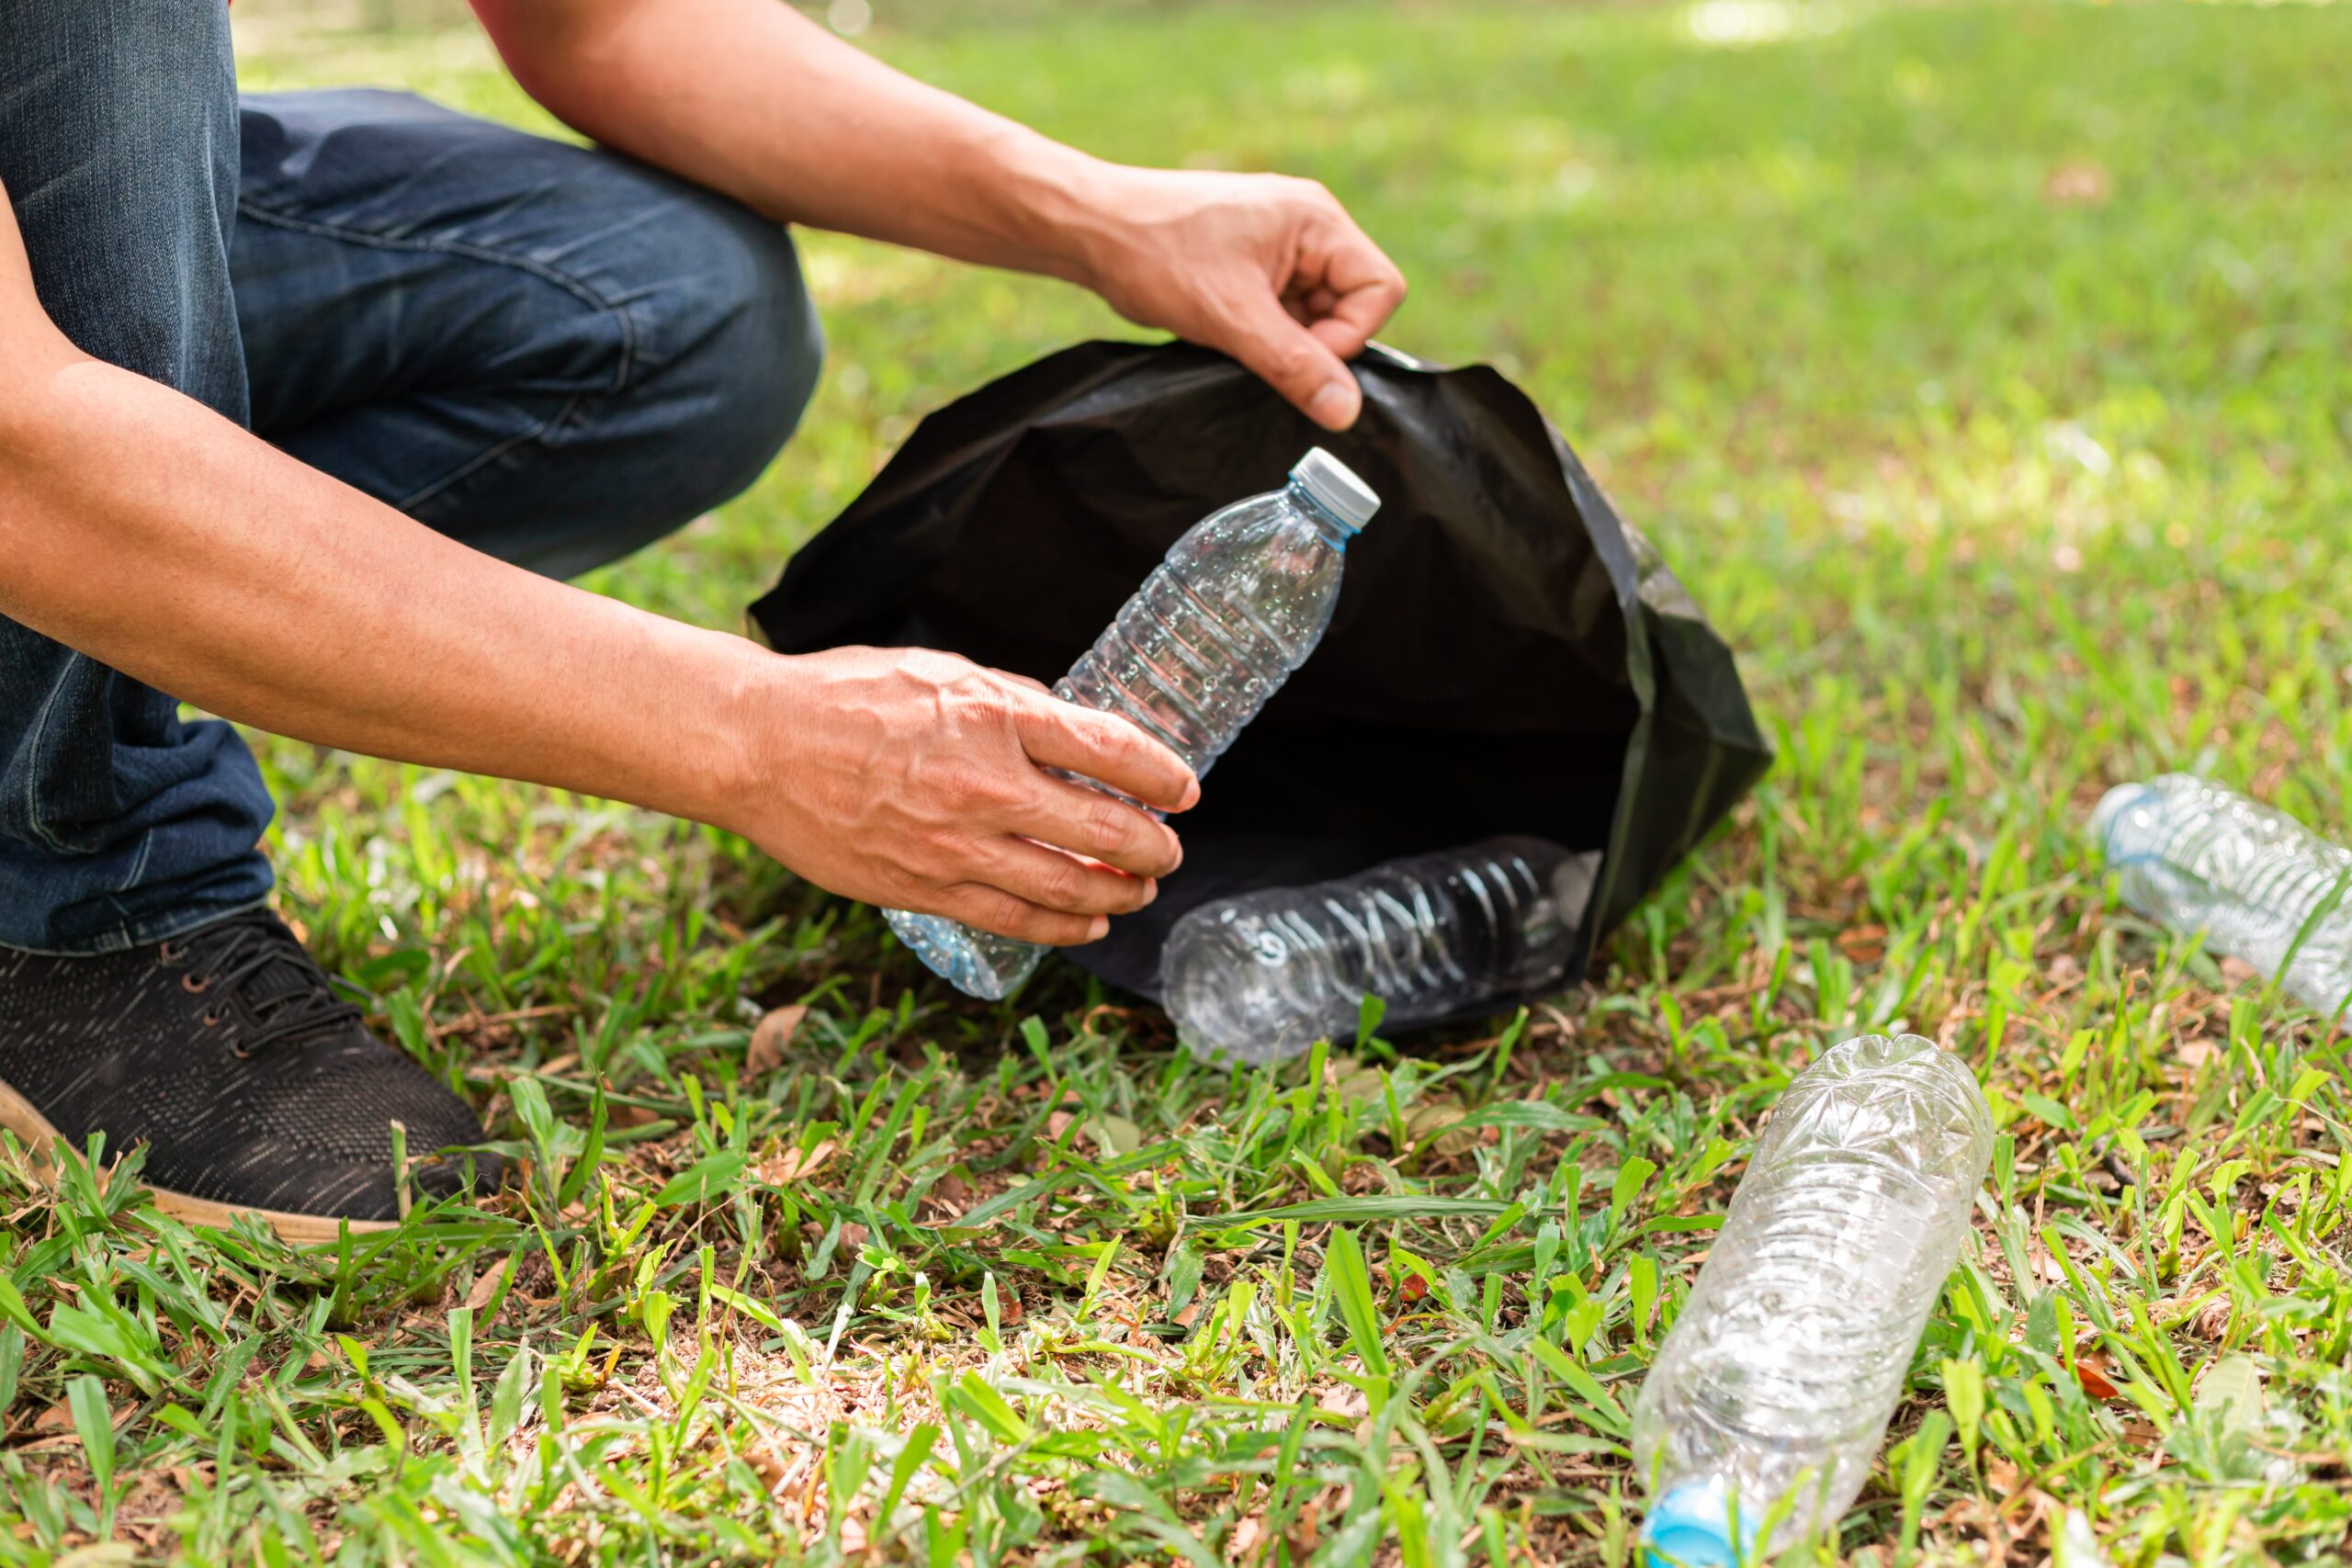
<point>18,1115</point>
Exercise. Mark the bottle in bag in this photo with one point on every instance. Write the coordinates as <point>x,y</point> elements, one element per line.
<point>2193,856</point>
<point>1262,977</point>
<point>1239,603</point>
<point>1773,1389</point>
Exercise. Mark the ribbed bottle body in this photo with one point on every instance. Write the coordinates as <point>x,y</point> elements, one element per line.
<point>1260,977</point>
<point>2193,856</point>
<point>1787,1358</point>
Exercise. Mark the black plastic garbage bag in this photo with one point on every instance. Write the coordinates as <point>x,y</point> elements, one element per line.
<point>1508,656</point>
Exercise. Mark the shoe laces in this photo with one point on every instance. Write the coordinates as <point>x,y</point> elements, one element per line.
<point>252,958</point>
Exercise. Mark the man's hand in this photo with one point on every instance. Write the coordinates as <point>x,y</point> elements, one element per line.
<point>753,98</point>
<point>1269,269</point>
<point>914,779</point>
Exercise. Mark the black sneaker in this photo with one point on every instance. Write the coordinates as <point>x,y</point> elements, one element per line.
<point>255,1089</point>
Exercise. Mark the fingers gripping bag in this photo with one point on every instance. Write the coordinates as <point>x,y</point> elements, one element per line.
<point>1508,656</point>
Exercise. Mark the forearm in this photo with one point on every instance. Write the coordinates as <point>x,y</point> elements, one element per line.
<point>139,527</point>
<point>749,97</point>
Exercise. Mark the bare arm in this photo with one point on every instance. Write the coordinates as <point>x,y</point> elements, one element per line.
<point>140,528</point>
<point>749,97</point>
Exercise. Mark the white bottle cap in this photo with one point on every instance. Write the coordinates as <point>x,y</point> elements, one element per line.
<point>1334,484</point>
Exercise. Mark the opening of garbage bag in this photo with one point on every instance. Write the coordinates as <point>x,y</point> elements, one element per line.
<point>1507,657</point>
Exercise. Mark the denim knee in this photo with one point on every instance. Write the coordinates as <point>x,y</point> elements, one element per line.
<point>757,347</point>
<point>610,350</point>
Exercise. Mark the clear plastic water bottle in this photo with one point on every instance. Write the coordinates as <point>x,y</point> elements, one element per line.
<point>1239,603</point>
<point>1772,1391</point>
<point>2192,855</point>
<point>1262,977</point>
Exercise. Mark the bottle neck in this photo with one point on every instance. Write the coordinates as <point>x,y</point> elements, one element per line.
<point>1327,522</point>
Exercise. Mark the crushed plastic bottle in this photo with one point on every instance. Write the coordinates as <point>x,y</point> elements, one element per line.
<point>1239,603</point>
<point>1260,977</point>
<point>1772,1391</point>
<point>2193,856</point>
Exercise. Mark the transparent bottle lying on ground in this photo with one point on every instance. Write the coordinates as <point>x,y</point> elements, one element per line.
<point>1262,977</point>
<point>1239,603</point>
<point>1757,1423</point>
<point>2193,856</point>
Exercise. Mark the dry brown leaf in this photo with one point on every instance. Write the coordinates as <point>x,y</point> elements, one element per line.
<point>771,1462</point>
<point>2090,1370</point>
<point>1304,1535</point>
<point>2079,181</point>
<point>1347,1400</point>
<point>1863,944</point>
<point>770,1036</point>
<point>948,1198</point>
<point>795,1164</point>
<point>485,1287</point>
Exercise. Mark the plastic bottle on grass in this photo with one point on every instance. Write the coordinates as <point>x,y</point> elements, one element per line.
<point>1262,977</point>
<point>1757,1425</point>
<point>2192,855</point>
<point>1239,603</point>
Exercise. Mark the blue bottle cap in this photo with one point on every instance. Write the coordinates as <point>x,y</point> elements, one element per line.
<point>1691,1527</point>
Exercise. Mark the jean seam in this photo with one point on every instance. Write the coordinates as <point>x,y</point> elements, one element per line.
<point>128,934</point>
<point>579,289</point>
<point>137,868</point>
<point>49,840</point>
<point>476,463</point>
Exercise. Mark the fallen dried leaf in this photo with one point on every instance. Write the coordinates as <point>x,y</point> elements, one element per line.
<point>485,1287</point>
<point>1863,944</point>
<point>770,1036</point>
<point>2080,182</point>
<point>795,1164</point>
<point>1305,1535</point>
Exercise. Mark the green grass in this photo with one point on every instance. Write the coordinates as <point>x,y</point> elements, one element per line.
<point>1987,370</point>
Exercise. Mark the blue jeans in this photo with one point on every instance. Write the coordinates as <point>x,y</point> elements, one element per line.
<point>552,353</point>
